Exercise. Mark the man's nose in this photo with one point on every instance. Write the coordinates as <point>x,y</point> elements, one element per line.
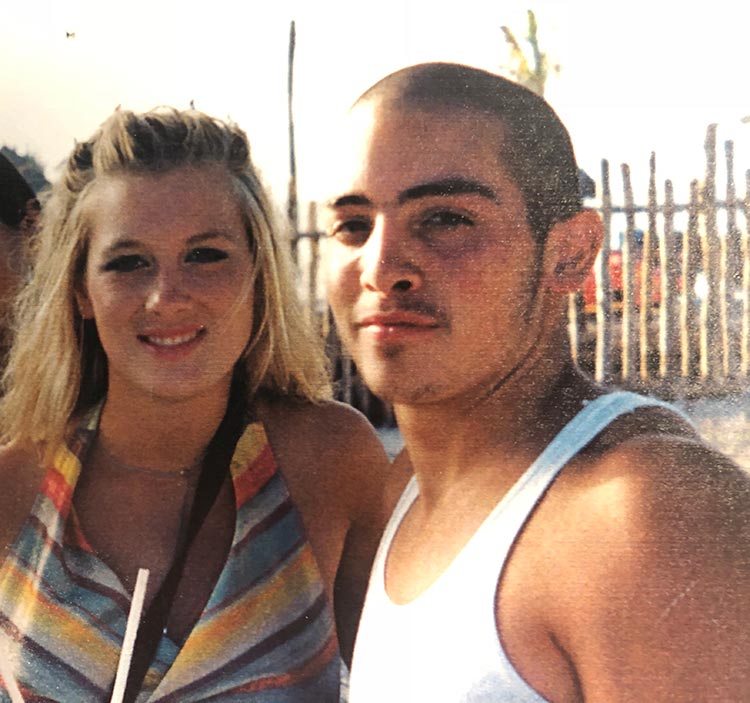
<point>169,288</point>
<point>388,259</point>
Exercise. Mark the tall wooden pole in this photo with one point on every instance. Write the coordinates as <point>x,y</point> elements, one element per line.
<point>291,203</point>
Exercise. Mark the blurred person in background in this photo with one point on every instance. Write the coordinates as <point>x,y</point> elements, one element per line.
<point>19,212</point>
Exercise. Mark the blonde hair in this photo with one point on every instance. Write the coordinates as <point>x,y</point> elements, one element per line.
<point>57,369</point>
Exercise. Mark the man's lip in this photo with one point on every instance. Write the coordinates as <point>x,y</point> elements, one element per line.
<point>398,318</point>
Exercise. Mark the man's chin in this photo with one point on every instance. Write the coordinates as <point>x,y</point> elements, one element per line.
<point>396,391</point>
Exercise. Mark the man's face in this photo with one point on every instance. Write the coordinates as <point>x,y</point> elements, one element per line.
<point>432,268</point>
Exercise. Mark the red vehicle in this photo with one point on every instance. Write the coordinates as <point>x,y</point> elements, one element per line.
<point>615,283</point>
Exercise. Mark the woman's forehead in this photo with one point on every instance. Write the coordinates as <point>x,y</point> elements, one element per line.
<point>143,200</point>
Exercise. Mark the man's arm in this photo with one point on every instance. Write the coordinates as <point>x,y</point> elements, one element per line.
<point>655,600</point>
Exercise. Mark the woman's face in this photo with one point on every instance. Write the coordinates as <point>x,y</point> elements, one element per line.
<point>168,282</point>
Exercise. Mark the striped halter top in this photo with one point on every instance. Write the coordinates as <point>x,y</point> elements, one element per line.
<point>266,633</point>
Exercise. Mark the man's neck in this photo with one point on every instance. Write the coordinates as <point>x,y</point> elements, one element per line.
<point>491,439</point>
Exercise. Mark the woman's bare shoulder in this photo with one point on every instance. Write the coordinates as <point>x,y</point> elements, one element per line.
<point>332,445</point>
<point>328,426</point>
<point>21,474</point>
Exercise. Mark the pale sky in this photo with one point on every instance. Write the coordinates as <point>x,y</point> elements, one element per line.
<point>635,77</point>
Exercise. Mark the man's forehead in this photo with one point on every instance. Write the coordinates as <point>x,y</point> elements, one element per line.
<point>447,150</point>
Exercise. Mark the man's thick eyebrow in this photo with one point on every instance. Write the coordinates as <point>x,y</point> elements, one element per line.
<point>448,186</point>
<point>351,199</point>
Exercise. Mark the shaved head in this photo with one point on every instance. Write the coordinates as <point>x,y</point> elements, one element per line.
<point>536,147</point>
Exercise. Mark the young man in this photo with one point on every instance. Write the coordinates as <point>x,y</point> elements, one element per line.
<point>555,543</point>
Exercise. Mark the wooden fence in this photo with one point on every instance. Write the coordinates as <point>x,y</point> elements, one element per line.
<point>671,312</point>
<point>667,310</point>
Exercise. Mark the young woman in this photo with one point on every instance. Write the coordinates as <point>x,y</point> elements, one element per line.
<point>165,409</point>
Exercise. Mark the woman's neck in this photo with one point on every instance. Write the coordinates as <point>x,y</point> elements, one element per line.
<point>167,435</point>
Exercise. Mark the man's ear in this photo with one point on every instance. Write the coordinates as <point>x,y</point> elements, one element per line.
<point>84,303</point>
<point>570,251</point>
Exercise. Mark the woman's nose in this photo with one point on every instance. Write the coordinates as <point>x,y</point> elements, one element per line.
<point>168,288</point>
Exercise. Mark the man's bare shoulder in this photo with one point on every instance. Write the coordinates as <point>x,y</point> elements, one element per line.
<point>651,469</point>
<point>21,474</point>
<point>654,569</point>
<point>669,477</point>
<point>658,488</point>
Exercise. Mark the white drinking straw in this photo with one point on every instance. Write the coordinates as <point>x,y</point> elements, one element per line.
<point>9,679</point>
<point>131,630</point>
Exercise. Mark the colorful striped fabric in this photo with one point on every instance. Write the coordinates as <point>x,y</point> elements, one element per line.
<point>266,634</point>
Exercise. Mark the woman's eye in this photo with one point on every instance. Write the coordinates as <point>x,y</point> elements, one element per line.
<point>353,231</point>
<point>126,263</point>
<point>205,255</point>
<point>447,219</point>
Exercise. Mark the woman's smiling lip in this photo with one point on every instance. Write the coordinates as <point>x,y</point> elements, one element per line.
<point>172,340</point>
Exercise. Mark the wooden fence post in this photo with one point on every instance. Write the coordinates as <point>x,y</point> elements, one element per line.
<point>691,350</point>
<point>745,337</point>
<point>669,285</point>
<point>647,262</point>
<point>603,361</point>
<point>628,294</point>
<point>731,267</point>
<point>713,311</point>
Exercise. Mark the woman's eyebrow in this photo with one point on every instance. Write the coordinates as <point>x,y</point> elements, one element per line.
<point>128,243</point>
<point>210,235</point>
<point>121,245</point>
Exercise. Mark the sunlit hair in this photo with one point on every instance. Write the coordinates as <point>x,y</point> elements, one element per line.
<point>536,147</point>
<point>57,368</point>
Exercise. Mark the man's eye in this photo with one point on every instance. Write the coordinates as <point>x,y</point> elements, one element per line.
<point>352,231</point>
<point>448,219</point>
<point>205,255</point>
<point>126,263</point>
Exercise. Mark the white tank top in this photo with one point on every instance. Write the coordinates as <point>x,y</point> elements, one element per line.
<point>443,646</point>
